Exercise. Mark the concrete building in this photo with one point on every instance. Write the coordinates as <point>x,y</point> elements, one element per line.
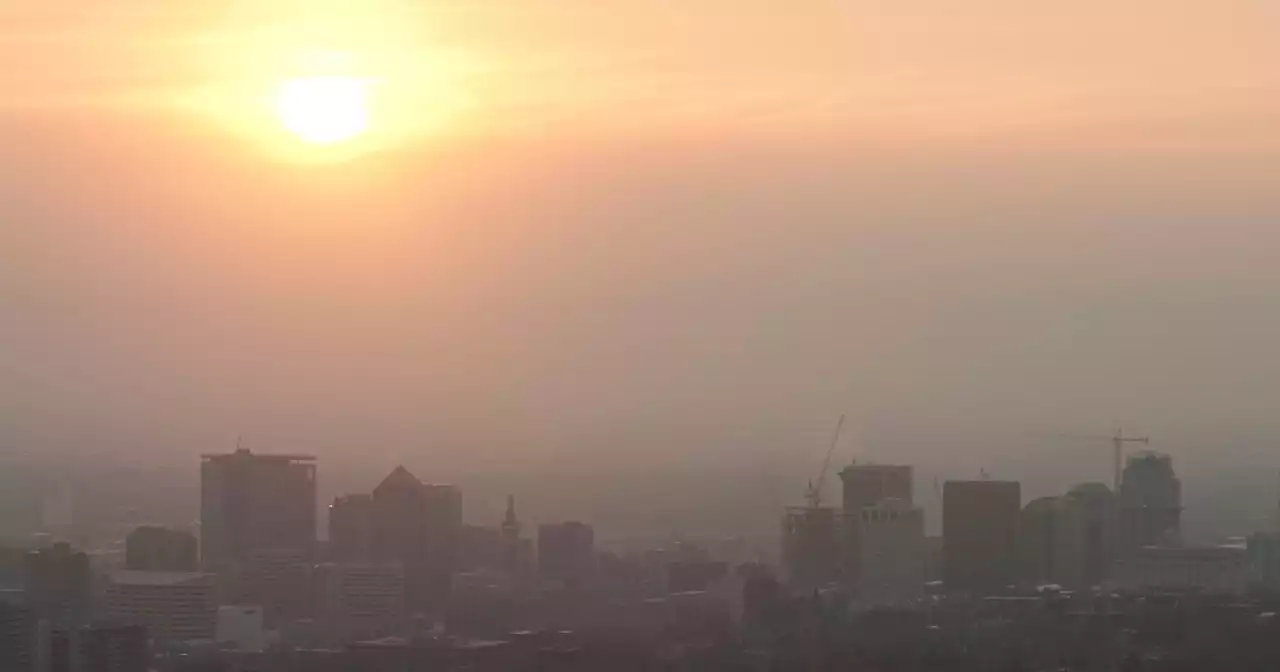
<point>351,529</point>
<point>1150,502</point>
<point>1068,540</point>
<point>1214,568</point>
<point>17,637</point>
<point>1038,540</point>
<point>251,503</point>
<point>58,585</point>
<point>241,627</point>
<point>160,549</point>
<point>278,580</point>
<point>891,562</point>
<point>418,526</point>
<point>173,606</point>
<point>1088,529</point>
<point>979,534</point>
<point>362,601</point>
<point>869,484</point>
<point>566,553</point>
<point>815,545</point>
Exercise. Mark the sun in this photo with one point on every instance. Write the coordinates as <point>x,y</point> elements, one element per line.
<point>324,110</point>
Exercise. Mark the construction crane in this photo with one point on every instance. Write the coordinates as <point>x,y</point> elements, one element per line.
<point>1117,450</point>
<point>814,494</point>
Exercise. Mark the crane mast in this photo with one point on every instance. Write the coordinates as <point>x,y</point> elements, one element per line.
<point>814,493</point>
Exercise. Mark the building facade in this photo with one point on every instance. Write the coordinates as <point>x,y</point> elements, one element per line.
<point>362,601</point>
<point>891,551</point>
<point>566,553</point>
<point>173,606</point>
<point>1150,502</point>
<point>979,534</point>
<point>160,549</point>
<point>869,484</point>
<point>351,529</point>
<point>58,585</point>
<point>251,503</point>
<point>418,526</point>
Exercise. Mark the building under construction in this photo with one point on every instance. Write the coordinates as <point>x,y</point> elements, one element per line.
<point>813,545</point>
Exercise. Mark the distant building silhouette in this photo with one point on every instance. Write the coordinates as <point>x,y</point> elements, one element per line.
<point>1150,502</point>
<point>891,562</point>
<point>979,534</point>
<point>160,549</point>
<point>99,648</point>
<point>18,628</point>
<point>1069,540</point>
<point>351,529</point>
<point>418,526</point>
<point>816,545</point>
<point>251,503</point>
<point>362,601</point>
<point>566,553</point>
<point>869,484</point>
<point>174,606</point>
<point>58,585</point>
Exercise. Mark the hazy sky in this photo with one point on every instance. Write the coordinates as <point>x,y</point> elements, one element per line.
<point>647,232</point>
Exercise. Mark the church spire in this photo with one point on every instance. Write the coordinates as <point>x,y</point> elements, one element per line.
<point>510,525</point>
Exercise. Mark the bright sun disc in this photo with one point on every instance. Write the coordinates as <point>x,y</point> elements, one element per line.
<point>324,110</point>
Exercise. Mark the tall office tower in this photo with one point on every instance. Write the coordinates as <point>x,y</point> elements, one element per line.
<point>979,533</point>
<point>160,549</point>
<point>566,553</point>
<point>1150,502</point>
<point>418,526</point>
<point>174,606</point>
<point>891,552</point>
<point>58,585</point>
<point>351,528</point>
<point>17,638</point>
<point>254,503</point>
<point>867,484</point>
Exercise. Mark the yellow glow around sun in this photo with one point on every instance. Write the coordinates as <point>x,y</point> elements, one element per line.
<point>324,110</point>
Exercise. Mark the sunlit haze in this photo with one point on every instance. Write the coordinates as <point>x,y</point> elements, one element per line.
<point>535,245</point>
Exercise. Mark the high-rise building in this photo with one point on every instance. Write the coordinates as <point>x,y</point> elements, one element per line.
<point>1150,502</point>
<point>252,502</point>
<point>979,534</point>
<point>160,549</point>
<point>566,553</point>
<point>1088,528</point>
<point>174,606</point>
<point>869,484</point>
<point>58,585</point>
<point>1038,539</point>
<point>891,552</point>
<point>17,638</point>
<point>816,543</point>
<point>1068,540</point>
<point>351,528</point>
<point>418,526</point>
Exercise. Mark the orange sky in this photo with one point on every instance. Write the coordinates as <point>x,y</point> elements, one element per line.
<point>653,228</point>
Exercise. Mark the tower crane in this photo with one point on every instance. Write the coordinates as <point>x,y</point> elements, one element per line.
<point>1118,440</point>
<point>814,493</point>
